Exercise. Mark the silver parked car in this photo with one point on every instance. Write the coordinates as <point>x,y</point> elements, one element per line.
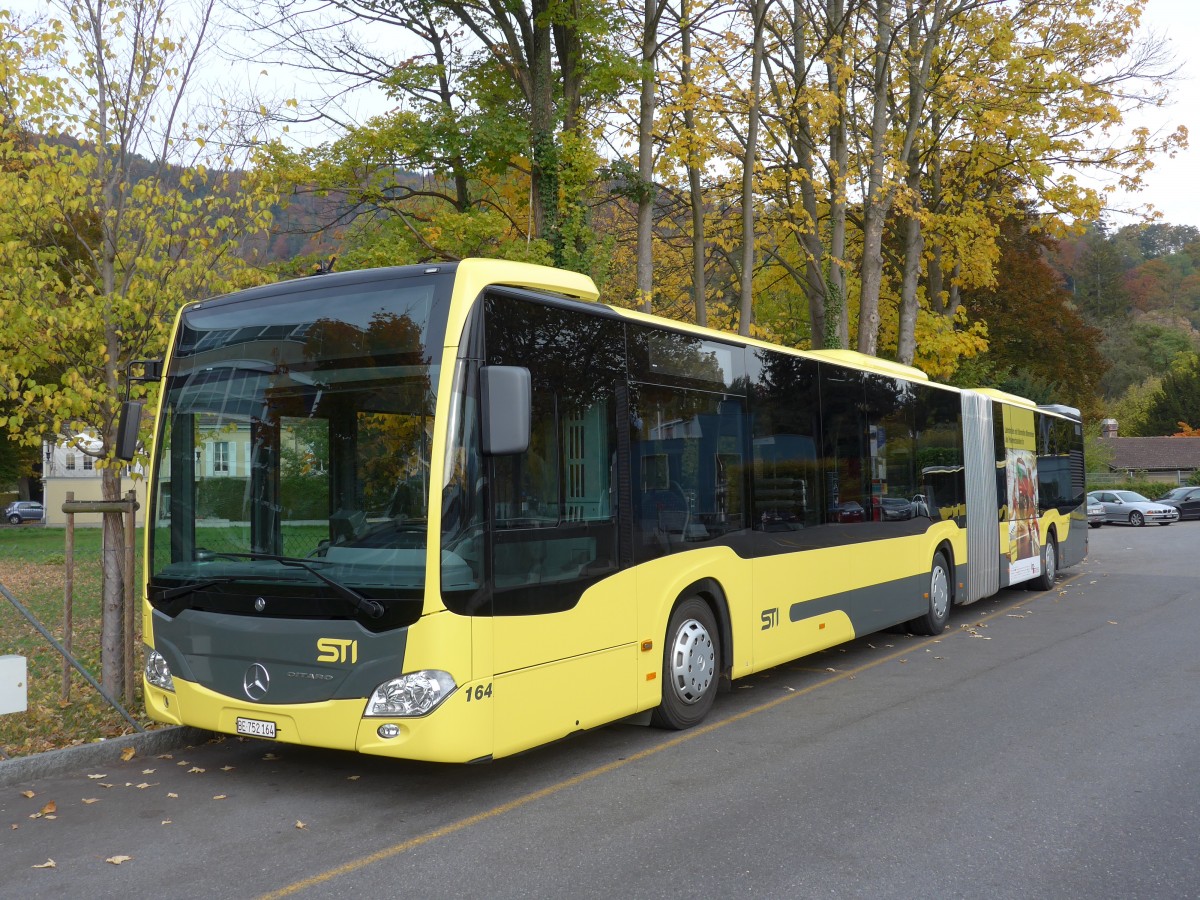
<point>1095,512</point>
<point>1131,507</point>
<point>24,511</point>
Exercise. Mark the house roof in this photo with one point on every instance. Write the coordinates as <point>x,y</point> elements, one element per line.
<point>1153,453</point>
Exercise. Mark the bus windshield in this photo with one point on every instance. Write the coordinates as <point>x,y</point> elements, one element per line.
<point>296,426</point>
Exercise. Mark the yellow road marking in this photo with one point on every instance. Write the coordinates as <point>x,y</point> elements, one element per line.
<point>550,790</point>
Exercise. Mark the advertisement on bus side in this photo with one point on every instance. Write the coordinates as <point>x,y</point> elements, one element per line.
<point>1024,538</point>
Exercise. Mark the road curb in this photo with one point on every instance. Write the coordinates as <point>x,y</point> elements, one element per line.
<point>84,756</point>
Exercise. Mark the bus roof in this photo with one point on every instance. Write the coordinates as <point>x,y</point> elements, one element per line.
<point>1005,397</point>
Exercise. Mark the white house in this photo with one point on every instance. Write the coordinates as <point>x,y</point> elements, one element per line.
<point>65,469</point>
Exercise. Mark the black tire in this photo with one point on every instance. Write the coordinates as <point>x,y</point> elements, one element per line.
<point>1045,581</point>
<point>14,519</point>
<point>1137,519</point>
<point>691,666</point>
<point>941,598</point>
<point>1095,524</point>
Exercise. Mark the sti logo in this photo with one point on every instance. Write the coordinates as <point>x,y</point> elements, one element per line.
<point>337,650</point>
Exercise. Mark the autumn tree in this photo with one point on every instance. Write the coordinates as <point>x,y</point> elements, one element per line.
<point>121,204</point>
<point>1027,94</point>
<point>1177,401</point>
<point>1035,336</point>
<point>489,116</point>
<point>1099,282</point>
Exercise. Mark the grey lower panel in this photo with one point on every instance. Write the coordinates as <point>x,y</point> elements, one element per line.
<point>1073,550</point>
<point>219,651</point>
<point>872,608</point>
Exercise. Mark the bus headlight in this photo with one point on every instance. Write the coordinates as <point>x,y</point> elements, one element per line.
<point>158,673</point>
<point>415,694</point>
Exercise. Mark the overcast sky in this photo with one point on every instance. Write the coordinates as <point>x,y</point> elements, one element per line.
<point>1174,185</point>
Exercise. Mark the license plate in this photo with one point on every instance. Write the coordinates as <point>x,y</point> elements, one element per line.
<point>256,728</point>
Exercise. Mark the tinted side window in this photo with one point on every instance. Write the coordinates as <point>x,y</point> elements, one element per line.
<point>554,507</point>
<point>939,452</point>
<point>687,468</point>
<point>1059,463</point>
<point>892,471</point>
<point>1001,461</point>
<point>787,491</point>
<point>846,450</point>
<point>666,357</point>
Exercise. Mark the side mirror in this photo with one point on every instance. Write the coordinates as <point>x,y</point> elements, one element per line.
<point>506,398</point>
<point>127,429</point>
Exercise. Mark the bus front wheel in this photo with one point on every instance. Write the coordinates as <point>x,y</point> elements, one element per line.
<point>691,666</point>
<point>941,595</point>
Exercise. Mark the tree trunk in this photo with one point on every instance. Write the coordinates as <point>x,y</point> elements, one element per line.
<point>872,280</point>
<point>914,248</point>
<point>645,195</point>
<point>112,566</point>
<point>809,238</point>
<point>695,187</point>
<point>875,204</point>
<point>839,154</point>
<point>758,9</point>
<point>544,182</point>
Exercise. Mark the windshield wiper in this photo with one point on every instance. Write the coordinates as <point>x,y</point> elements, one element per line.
<point>184,589</point>
<point>367,606</point>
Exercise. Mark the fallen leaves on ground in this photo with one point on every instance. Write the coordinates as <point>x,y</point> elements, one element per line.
<point>127,754</point>
<point>117,860</point>
<point>48,864</point>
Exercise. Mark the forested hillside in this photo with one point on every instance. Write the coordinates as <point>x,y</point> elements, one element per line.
<point>1140,287</point>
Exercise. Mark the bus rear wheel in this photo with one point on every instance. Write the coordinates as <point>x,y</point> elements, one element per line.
<point>691,666</point>
<point>1045,581</point>
<point>940,598</point>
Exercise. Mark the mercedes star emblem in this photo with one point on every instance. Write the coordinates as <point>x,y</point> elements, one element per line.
<point>256,682</point>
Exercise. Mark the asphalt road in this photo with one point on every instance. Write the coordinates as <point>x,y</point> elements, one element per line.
<point>1045,746</point>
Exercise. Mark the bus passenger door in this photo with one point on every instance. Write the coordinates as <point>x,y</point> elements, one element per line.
<point>564,616</point>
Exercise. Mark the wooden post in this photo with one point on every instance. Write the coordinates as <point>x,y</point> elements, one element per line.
<point>124,615</point>
<point>130,516</point>
<point>68,598</point>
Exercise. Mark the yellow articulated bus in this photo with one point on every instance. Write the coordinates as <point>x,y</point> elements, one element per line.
<point>452,512</point>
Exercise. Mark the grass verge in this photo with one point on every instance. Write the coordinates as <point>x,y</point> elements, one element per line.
<point>32,569</point>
